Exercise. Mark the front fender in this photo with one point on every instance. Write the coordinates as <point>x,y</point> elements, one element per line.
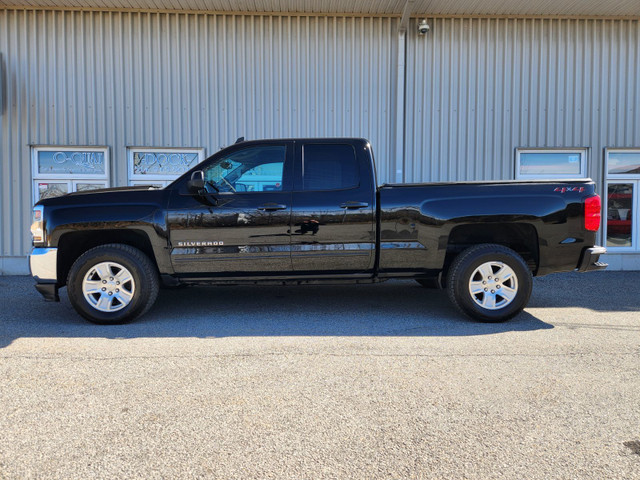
<point>112,222</point>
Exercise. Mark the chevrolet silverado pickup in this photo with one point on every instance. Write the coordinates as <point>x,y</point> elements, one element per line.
<point>309,211</point>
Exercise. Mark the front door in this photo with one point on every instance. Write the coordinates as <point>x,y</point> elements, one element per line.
<point>238,226</point>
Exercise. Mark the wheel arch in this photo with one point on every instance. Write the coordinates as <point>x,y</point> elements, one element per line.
<point>72,245</point>
<point>520,237</point>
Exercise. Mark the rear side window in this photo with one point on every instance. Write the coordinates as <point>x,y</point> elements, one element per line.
<point>329,167</point>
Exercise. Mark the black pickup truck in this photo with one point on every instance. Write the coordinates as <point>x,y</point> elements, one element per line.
<point>309,211</point>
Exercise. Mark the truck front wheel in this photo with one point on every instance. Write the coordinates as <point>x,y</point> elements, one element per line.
<point>112,284</point>
<point>490,283</point>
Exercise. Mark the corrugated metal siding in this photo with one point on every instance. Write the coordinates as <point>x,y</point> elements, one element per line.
<point>528,7</point>
<point>184,80</point>
<point>478,88</point>
<point>361,7</point>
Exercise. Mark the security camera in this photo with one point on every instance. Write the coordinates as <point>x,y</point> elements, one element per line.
<point>423,27</point>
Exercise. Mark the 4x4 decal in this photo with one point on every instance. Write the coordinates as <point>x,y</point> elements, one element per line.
<point>569,189</point>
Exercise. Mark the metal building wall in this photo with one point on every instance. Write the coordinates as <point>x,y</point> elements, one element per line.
<point>478,88</point>
<point>475,89</point>
<point>182,80</point>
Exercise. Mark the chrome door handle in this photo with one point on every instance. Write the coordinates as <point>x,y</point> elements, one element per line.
<point>272,207</point>
<point>354,205</point>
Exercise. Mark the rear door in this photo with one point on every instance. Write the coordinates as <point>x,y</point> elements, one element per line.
<point>333,215</point>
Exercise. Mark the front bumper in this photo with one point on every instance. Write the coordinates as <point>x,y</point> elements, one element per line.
<point>43,263</point>
<point>589,260</point>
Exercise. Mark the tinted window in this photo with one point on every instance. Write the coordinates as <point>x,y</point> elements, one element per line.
<point>329,167</point>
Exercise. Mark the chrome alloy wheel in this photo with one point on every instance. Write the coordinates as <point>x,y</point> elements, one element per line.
<point>108,287</point>
<point>493,285</point>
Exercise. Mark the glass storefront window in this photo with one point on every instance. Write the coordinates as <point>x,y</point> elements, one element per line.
<point>160,166</point>
<point>620,214</point>
<point>84,187</point>
<point>551,163</point>
<point>70,162</point>
<point>623,163</point>
<point>622,167</point>
<point>58,170</point>
<point>52,189</point>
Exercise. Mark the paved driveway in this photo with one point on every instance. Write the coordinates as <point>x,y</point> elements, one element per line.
<point>380,381</point>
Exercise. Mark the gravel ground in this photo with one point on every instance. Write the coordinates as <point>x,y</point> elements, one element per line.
<point>362,382</point>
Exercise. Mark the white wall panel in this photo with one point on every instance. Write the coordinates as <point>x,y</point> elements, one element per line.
<point>183,80</point>
<point>478,88</point>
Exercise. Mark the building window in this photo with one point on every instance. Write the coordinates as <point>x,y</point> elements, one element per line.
<point>160,166</point>
<point>622,168</point>
<point>60,170</point>
<point>551,163</point>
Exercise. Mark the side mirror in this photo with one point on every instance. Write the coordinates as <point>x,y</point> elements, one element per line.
<point>196,184</point>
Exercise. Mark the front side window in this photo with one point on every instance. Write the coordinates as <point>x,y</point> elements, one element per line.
<point>622,202</point>
<point>550,163</point>
<point>252,169</point>
<point>329,167</point>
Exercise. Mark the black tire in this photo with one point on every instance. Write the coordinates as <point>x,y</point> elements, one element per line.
<point>504,298</point>
<point>141,288</point>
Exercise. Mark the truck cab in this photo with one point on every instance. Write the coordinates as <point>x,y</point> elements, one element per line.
<point>274,208</point>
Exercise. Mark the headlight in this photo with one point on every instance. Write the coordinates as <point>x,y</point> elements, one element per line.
<point>37,225</point>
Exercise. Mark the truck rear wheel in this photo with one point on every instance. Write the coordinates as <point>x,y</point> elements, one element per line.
<point>112,284</point>
<point>489,283</point>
